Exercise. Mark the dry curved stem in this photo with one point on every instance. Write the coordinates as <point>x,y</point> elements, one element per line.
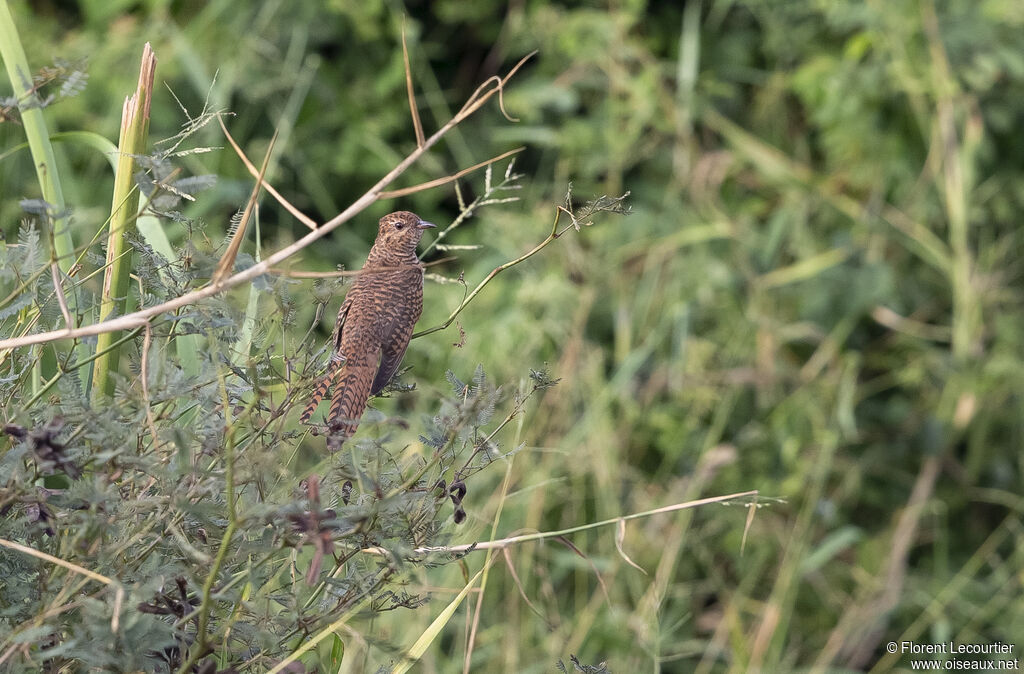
<point>144,376</point>
<point>255,173</point>
<point>450,178</point>
<point>139,318</point>
<point>417,125</point>
<point>501,99</point>
<point>227,261</point>
<point>543,535</point>
<point>70,566</point>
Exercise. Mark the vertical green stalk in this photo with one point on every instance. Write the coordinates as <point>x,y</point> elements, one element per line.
<point>134,132</point>
<point>244,349</point>
<point>38,136</point>
<point>31,109</point>
<point>199,648</point>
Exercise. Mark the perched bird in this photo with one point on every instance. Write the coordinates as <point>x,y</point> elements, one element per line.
<point>374,324</point>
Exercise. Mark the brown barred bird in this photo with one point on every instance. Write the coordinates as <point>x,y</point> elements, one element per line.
<point>374,325</point>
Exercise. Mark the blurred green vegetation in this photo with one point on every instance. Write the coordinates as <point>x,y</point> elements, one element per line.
<point>817,296</point>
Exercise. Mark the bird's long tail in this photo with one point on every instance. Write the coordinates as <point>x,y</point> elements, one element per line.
<point>351,391</point>
<point>321,390</point>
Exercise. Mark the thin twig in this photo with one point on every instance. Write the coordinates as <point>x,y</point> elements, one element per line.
<point>487,279</point>
<point>255,173</point>
<point>146,342</point>
<point>58,290</point>
<point>70,566</point>
<point>467,211</point>
<point>338,273</point>
<point>391,194</point>
<point>416,124</point>
<point>139,318</point>
<point>601,204</point>
<point>227,261</point>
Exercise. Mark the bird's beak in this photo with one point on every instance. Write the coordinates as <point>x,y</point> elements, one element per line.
<point>423,224</point>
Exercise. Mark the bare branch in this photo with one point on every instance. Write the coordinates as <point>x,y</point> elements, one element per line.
<point>612,205</point>
<point>391,194</point>
<point>300,273</point>
<point>70,566</point>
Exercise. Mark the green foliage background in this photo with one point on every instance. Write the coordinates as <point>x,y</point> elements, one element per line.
<point>817,296</point>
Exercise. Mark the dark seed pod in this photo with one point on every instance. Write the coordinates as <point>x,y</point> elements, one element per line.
<point>460,515</point>
<point>15,431</point>
<point>457,490</point>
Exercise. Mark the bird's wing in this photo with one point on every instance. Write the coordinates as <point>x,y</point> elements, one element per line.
<point>339,325</point>
<point>391,355</point>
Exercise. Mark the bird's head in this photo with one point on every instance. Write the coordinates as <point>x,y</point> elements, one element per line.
<point>400,232</point>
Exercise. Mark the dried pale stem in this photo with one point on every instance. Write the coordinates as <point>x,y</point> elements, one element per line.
<point>146,343</point>
<point>139,318</point>
<point>58,561</point>
<point>58,290</point>
<point>543,535</point>
<point>75,568</point>
<point>447,179</point>
<point>255,173</point>
<point>417,125</point>
<point>227,261</point>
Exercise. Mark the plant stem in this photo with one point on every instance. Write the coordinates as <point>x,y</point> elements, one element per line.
<point>61,371</point>
<point>494,272</point>
<point>31,108</point>
<point>134,131</point>
<point>199,647</point>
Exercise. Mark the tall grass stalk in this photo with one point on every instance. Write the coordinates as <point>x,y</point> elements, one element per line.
<point>134,132</point>
<point>31,108</point>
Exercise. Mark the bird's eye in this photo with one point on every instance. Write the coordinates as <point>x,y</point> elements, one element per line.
<point>399,225</point>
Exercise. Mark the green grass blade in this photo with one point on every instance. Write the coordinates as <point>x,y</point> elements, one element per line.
<point>420,647</point>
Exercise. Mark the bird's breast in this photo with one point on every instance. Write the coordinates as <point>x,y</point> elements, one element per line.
<point>380,303</point>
